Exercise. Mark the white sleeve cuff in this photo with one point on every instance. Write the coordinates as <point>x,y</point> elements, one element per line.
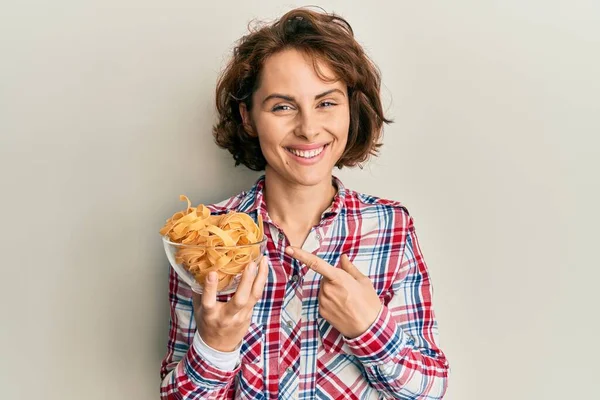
<point>225,360</point>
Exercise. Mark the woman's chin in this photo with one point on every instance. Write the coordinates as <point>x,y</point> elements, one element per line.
<point>311,177</point>
<point>302,176</point>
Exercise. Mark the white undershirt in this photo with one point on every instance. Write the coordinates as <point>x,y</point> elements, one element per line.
<point>225,360</point>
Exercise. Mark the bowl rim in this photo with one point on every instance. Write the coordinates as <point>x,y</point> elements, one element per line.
<point>200,246</point>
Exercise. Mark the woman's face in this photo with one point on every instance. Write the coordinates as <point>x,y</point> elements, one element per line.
<point>302,122</point>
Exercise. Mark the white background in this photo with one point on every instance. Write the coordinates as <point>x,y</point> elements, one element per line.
<point>106,111</point>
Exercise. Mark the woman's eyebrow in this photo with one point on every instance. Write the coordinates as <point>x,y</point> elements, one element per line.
<point>292,99</point>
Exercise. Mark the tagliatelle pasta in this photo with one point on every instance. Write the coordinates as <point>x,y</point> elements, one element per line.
<point>217,238</point>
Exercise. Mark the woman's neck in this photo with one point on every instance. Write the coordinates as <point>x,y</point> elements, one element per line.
<point>296,207</point>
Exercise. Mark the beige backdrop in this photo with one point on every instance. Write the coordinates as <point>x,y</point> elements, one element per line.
<point>105,117</point>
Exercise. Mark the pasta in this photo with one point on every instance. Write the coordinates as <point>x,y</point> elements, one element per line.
<point>215,237</point>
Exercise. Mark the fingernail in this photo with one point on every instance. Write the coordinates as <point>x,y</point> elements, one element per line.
<point>289,250</point>
<point>252,268</point>
<point>212,276</point>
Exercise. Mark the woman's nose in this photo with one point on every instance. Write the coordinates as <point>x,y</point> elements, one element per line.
<point>307,126</point>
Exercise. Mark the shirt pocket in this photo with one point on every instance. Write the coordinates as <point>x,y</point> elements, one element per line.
<point>251,376</point>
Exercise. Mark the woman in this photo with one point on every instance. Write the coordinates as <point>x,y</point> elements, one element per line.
<point>340,306</point>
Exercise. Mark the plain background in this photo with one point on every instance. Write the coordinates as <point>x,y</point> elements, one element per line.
<point>106,111</point>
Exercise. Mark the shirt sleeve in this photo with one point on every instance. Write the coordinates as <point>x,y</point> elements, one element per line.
<point>400,350</point>
<point>187,371</point>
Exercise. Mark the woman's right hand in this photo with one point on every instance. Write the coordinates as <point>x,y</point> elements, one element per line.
<point>222,326</point>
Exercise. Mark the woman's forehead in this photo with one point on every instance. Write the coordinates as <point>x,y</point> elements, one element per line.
<point>292,70</point>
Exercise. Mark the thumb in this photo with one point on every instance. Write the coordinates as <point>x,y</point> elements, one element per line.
<point>350,268</point>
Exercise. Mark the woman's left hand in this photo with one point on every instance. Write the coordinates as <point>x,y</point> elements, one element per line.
<point>347,299</point>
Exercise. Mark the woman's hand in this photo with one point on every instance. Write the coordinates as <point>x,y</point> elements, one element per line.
<point>347,299</point>
<point>222,326</point>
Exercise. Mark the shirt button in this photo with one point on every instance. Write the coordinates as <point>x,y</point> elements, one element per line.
<point>289,370</point>
<point>294,278</point>
<point>318,236</point>
<point>290,324</point>
<point>281,236</point>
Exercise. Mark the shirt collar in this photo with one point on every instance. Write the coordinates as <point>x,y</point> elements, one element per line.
<point>254,200</point>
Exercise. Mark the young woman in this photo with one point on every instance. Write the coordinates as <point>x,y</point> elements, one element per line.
<point>340,306</point>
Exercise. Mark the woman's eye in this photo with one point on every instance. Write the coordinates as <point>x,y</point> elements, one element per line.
<point>327,104</point>
<point>282,108</point>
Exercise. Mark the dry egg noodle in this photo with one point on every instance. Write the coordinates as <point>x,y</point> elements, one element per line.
<point>195,226</point>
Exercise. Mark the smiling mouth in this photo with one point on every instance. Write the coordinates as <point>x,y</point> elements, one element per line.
<point>308,154</point>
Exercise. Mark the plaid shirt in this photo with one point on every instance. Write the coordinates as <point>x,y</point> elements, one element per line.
<point>290,351</point>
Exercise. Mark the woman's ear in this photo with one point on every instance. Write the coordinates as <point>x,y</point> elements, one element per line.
<point>247,120</point>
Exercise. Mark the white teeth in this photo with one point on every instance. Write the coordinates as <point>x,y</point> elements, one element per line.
<point>307,154</point>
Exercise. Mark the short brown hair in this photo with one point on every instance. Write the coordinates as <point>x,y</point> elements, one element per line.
<point>323,36</point>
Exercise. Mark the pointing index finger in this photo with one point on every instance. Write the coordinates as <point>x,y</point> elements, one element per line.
<point>313,262</point>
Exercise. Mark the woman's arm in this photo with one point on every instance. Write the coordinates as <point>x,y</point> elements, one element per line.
<point>186,372</point>
<point>400,350</point>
